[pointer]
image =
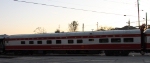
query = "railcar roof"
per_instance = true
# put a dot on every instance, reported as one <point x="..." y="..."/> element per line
<point x="147" y="31"/>
<point x="3" y="36"/>
<point x="137" y="31"/>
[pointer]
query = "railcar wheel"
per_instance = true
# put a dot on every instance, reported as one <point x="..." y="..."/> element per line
<point x="31" y="52"/>
<point x="15" y="52"/>
<point x="142" y="53"/>
<point x="44" y="52"/>
<point x="124" y="53"/>
<point x="93" y="52"/>
<point x="116" y="53"/>
<point x="108" y="53"/>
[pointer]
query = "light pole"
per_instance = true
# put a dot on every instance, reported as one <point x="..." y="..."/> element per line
<point x="92" y="30"/>
<point x="128" y="22"/>
<point x="146" y="20"/>
<point x="138" y="13"/>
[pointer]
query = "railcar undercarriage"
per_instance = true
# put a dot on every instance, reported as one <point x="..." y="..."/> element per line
<point x="47" y="52"/>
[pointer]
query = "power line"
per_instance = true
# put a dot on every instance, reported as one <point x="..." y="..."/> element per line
<point x="117" y="2"/>
<point x="88" y="5"/>
<point x="71" y="8"/>
<point x="140" y="21"/>
<point x="75" y="4"/>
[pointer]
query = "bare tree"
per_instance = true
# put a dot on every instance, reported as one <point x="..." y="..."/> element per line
<point x="39" y="30"/>
<point x="104" y="28"/>
<point x="73" y="26"/>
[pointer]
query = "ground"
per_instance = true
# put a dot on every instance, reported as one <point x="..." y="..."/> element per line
<point x="132" y="58"/>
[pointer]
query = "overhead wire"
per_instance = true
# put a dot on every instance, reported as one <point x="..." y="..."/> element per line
<point x="117" y="2"/>
<point x="72" y="8"/>
<point x="140" y="21"/>
<point x="84" y="5"/>
<point x="75" y="9"/>
<point x="88" y="5"/>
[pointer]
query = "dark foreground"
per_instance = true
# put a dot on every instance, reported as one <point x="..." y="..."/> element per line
<point x="132" y="58"/>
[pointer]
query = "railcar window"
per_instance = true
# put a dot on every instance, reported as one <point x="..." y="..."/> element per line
<point x="39" y="42"/>
<point x="79" y="41"/>
<point x="22" y="42"/>
<point x="58" y="41"/>
<point x="70" y="41"/>
<point x="115" y="40"/>
<point x="128" y="40"/>
<point x="31" y="42"/>
<point x="104" y="40"/>
<point x="49" y="41"/>
<point x="91" y="39"/>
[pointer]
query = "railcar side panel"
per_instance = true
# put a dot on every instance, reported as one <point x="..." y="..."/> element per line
<point x="13" y="44"/>
<point x="77" y="47"/>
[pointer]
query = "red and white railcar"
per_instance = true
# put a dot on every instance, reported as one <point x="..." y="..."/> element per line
<point x="89" y="41"/>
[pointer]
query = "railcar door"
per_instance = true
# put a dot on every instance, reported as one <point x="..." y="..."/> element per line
<point x="143" y="44"/>
<point x="1" y="45"/>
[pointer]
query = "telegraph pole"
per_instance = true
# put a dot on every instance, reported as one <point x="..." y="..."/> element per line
<point x="83" y="27"/>
<point x="146" y="20"/>
<point x="138" y="13"/>
<point x="97" y="25"/>
<point x="59" y="27"/>
<point x="128" y="24"/>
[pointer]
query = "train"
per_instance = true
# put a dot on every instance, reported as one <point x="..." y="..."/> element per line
<point x="111" y="43"/>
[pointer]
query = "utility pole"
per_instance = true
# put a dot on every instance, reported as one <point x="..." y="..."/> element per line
<point x="128" y="24"/>
<point x="97" y="25"/>
<point x="146" y="20"/>
<point x="138" y="13"/>
<point x="92" y="30"/>
<point x="83" y="27"/>
<point x="59" y="27"/>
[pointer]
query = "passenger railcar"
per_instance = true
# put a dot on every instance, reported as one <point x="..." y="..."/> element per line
<point x="113" y="42"/>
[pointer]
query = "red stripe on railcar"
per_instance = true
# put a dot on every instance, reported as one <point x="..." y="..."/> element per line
<point x="147" y="34"/>
<point x="77" y="47"/>
<point x="147" y="45"/>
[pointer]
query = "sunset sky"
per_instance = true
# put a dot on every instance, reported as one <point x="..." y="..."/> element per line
<point x="23" y="18"/>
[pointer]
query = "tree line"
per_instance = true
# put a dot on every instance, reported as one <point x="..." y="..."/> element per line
<point x="73" y="27"/>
